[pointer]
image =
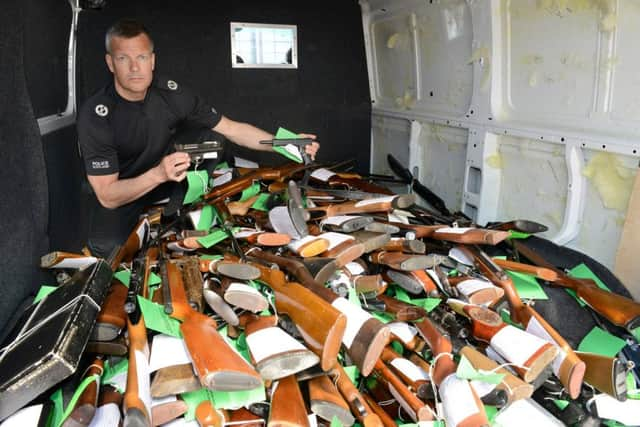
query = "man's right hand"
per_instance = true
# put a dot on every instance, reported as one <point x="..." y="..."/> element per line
<point x="173" y="167"/>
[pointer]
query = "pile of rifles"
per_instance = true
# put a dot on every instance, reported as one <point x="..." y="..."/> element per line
<point x="302" y="295"/>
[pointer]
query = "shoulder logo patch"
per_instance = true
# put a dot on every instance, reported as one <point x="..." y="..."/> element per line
<point x="172" y="85"/>
<point x="102" y="110"/>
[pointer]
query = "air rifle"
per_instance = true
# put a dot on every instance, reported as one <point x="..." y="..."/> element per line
<point x="200" y="152"/>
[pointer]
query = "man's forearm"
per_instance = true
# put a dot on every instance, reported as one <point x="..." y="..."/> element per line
<point x="123" y="191"/>
<point x="248" y="136"/>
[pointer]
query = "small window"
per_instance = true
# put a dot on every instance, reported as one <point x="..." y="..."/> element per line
<point x="264" y="45"/>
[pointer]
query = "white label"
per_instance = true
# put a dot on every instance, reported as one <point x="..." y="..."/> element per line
<point x="458" y="255"/>
<point x="322" y="174"/>
<point x="28" y="416"/>
<point x="144" y="387"/>
<point x="295" y="245"/>
<point x="75" y="262"/>
<point x="387" y="199"/>
<point x="403" y="403"/>
<point x="516" y="413"/>
<point x="168" y="351"/>
<point x="627" y="412"/>
<point x="482" y="388"/>
<point x="402" y="330"/>
<point x="535" y="328"/>
<point x="410" y="369"/>
<point x="106" y="416"/>
<point x="313" y="421"/>
<point x="293" y="150"/>
<point x="471" y="286"/>
<point x="212" y="155"/>
<point x="162" y="400"/>
<point x="516" y="345"/>
<point x="337" y="220"/>
<point x="222" y="179"/>
<point x="141" y="231"/>
<point x="241" y="288"/>
<point x="354" y="268"/>
<point x="243" y="233"/>
<point x="335" y="238"/>
<point x="356" y="317"/>
<point x="397" y="218"/>
<point x="457" y="399"/>
<point x="244" y="163"/>
<point x="268" y="342"/>
<point x="453" y="230"/>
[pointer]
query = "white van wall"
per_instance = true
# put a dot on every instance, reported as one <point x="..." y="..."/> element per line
<point x="512" y="109"/>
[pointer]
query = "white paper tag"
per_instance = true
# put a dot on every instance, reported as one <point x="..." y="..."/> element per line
<point x="337" y="220"/>
<point x="356" y="317"/>
<point x="144" y="386"/>
<point x="482" y="388"/>
<point x="268" y="342"/>
<point x="402" y="330"/>
<point x="322" y="174"/>
<point x="453" y="230"/>
<point x="387" y="199"/>
<point x="79" y="262"/>
<point x="535" y="328"/>
<point x="141" y="231"/>
<point x="516" y="345"/>
<point x="313" y="421"/>
<point x="295" y="245"/>
<point x="28" y="416"/>
<point x="354" y="268"/>
<point x="410" y="369"/>
<point x="403" y="403"/>
<point x="393" y="217"/>
<point x="335" y="238"/>
<point x="244" y="163"/>
<point x="293" y="150"/>
<point x="458" y="255"/>
<point x="243" y="233"/>
<point x="457" y="399"/>
<point x="106" y="416"/>
<point x="222" y="179"/>
<point x="627" y="412"/>
<point x="211" y="155"/>
<point x="161" y="400"/>
<point x="471" y="286"/>
<point x="168" y="351"/>
<point x="525" y="409"/>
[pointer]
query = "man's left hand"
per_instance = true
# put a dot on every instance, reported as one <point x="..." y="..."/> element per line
<point x="313" y="148"/>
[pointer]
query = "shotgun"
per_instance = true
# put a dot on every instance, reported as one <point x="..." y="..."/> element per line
<point x="287" y="405"/>
<point x="405" y="262"/>
<point x="415" y="376"/>
<point x="326" y="401"/>
<point x="85" y="407"/>
<point x="415" y="282"/>
<point x="224" y="370"/>
<point x="402" y="311"/>
<point x="567" y="366"/>
<point x="462" y="406"/>
<point x="381" y="204"/>
<point x="174" y="379"/>
<point x="356" y="401"/>
<point x="617" y="309"/>
<point x="607" y="374"/>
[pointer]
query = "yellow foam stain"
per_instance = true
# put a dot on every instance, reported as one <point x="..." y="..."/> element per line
<point x="611" y="179"/>
<point x="434" y="129"/>
<point x="532" y="59"/>
<point x="607" y="9"/>
<point x="406" y="101"/>
<point x="609" y="22"/>
<point x="533" y="79"/>
<point x="392" y="41"/>
<point x="620" y="219"/>
<point x="554" y="217"/>
<point x="495" y="161"/>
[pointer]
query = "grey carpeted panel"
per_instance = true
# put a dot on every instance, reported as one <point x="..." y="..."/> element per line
<point x="23" y="183"/>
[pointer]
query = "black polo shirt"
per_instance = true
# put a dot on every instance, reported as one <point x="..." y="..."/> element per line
<point x="117" y="135"/>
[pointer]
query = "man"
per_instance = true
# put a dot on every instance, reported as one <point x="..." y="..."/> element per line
<point x="124" y="132"/>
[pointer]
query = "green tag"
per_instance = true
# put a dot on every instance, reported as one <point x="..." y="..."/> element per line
<point x="561" y="404"/>
<point x="506" y="318"/>
<point x="261" y="203"/>
<point x="335" y="422"/>
<point x="156" y="319"/>
<point x="84" y="384"/>
<point x="401" y="295"/>
<point x="43" y="292"/>
<point x="468" y="372"/>
<point x="250" y="191"/>
<point x="397" y="347"/>
<point x="237" y="399"/>
<point x="599" y="341"/>
<point x="154" y="279"/>
<point x="123" y="276"/>
<point x="242" y="347"/>
<point x="212" y="239"/>
<point x="613" y="423"/>
<point x="206" y="218"/>
<point x="113" y="375"/>
<point x="527" y="286"/>
<point x="518" y="235"/>
<point x="285" y="134"/>
<point x="197" y="185"/>
<point x="353" y="297"/>
<point x="491" y="412"/>
<point x="581" y="271"/>
<point x="426" y="303"/>
<point x="211" y="257"/>
<point x="632" y="388"/>
<point x="382" y="316"/>
<point x="223" y="165"/>
<point x="352" y="373"/>
<point x="193" y="399"/>
<point x="58" y="408"/>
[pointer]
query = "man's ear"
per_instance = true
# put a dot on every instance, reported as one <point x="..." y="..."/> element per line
<point x="109" y="61"/>
<point x="153" y="61"/>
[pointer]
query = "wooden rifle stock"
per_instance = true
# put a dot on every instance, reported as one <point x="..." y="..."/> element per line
<point x="540" y="272"/>
<point x="287" y="405"/>
<point x="405" y="245"/>
<point x="568" y="367"/>
<point x="470" y="236"/>
<point x="402" y="311"/>
<point x="607" y="374"/>
<point x="326" y="402"/>
<point x="223" y="369"/>
<point x="165" y="412"/>
<point x="405" y="262"/>
<point x="112" y="318"/>
<point x="412" y="374"/>
<point x="383" y="204"/>
<point x="85" y="407"/>
<point x="208" y="415"/>
<point x="174" y="379"/>
<point x="619" y="310"/>
<point x="356" y="401"/>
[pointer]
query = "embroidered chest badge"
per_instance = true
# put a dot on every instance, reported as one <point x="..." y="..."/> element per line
<point x="172" y="85"/>
<point x="102" y="110"/>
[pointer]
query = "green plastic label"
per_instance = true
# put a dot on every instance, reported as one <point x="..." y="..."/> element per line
<point x="156" y="319"/>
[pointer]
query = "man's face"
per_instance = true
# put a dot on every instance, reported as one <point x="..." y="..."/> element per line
<point x="131" y="61"/>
